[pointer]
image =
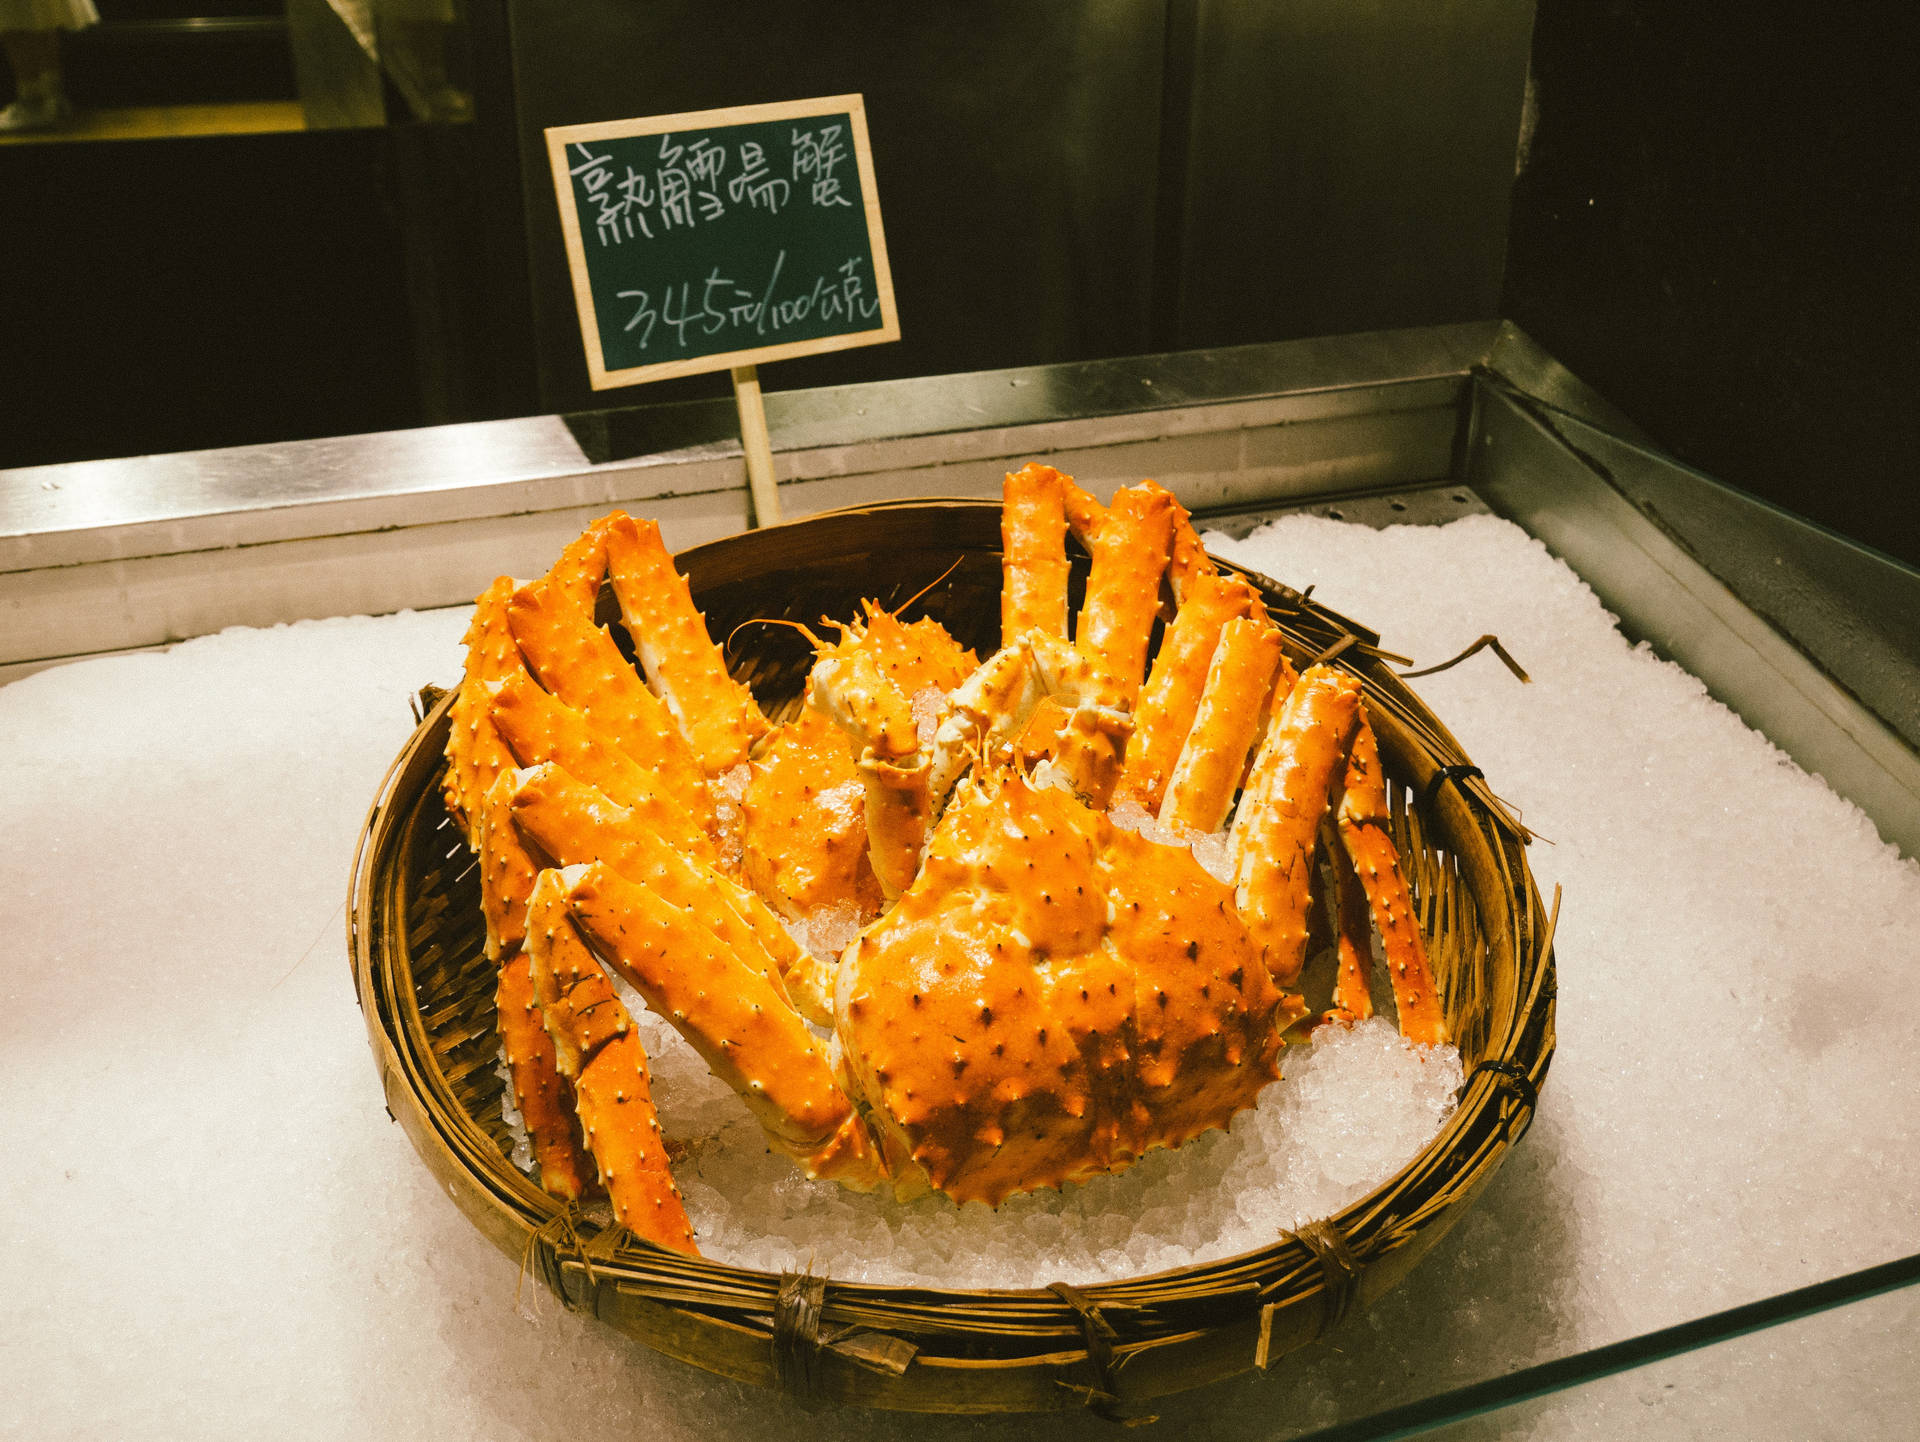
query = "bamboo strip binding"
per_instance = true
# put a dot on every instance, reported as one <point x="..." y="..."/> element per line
<point x="426" y="993"/>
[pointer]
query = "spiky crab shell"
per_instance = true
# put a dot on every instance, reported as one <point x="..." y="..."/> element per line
<point x="1053" y="997"/>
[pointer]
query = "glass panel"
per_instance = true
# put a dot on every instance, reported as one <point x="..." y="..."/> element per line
<point x="1847" y="1373"/>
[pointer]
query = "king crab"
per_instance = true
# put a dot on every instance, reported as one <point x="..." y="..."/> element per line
<point x="1039" y="992"/>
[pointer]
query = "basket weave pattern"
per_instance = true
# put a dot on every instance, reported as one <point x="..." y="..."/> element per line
<point x="426" y="989"/>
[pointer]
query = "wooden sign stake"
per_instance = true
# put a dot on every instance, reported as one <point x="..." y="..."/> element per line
<point x="758" y="447"/>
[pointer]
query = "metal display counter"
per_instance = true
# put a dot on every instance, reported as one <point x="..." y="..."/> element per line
<point x="1808" y="637"/>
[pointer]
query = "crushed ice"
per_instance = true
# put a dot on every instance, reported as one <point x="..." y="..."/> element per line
<point x="1353" y="1109"/>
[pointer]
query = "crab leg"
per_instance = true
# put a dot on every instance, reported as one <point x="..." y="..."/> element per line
<point x="1353" y="971"/>
<point x="544" y="1097"/>
<point x="716" y="713"/>
<point x="1123" y="588"/>
<point x="596" y="1048"/>
<point x="746" y="1033"/>
<point x="1085" y="514"/>
<point x="1362" y="816"/>
<point x="578" y="662"/>
<point x="1200" y="792"/>
<point x="1171" y="697"/>
<point x="538" y="727"/>
<point x="545" y="1101"/>
<point x="506" y="872"/>
<point x="1272" y="839"/>
<point x="580" y="568"/>
<point x="475" y="753"/>
<point x="1033" y="527"/>
<point x="1188" y="563"/>
<point x="572" y="823"/>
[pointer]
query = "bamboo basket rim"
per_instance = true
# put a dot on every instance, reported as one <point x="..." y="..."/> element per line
<point x="1091" y="1339"/>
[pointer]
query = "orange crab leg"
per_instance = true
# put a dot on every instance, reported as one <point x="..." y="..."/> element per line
<point x="988" y="709"/>
<point x="582" y="566"/>
<point x="1085" y="514"/>
<point x="475" y="753"/>
<point x="746" y="1033"/>
<point x="578" y="662"/>
<point x="1273" y="833"/>
<point x="506" y="872"/>
<point x="1033" y="533"/>
<point x="1362" y="816"/>
<point x="1171" y="697"/>
<point x="849" y="687"/>
<point x="1123" y="588"/>
<point x="595" y="1045"/>
<point x="1188" y="564"/>
<point x="545" y="1098"/>
<point x="716" y="713"/>
<point x="538" y="727"/>
<point x="571" y="823"/>
<point x="1201" y="790"/>
<point x="995" y="704"/>
<point x="1352" y="979"/>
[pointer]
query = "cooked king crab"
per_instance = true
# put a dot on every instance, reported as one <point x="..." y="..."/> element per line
<point x="1050" y="994"/>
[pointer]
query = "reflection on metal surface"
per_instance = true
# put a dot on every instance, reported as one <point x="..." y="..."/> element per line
<point x="114" y="554"/>
<point x="423" y="48"/>
<point x="345" y="51"/>
<point x="1294" y="410"/>
<point x="1518" y="359"/>
<point x="336" y="63"/>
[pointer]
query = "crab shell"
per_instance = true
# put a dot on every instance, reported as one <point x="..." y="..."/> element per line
<point x="1051" y="998"/>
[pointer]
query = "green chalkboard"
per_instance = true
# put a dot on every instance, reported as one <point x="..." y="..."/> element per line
<point x="722" y="238"/>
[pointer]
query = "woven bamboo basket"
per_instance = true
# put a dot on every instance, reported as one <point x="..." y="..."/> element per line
<point x="426" y="990"/>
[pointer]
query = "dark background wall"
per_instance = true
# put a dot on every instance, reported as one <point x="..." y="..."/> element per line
<point x="1087" y="178"/>
<point x="1717" y="227"/>
<point x="1714" y="225"/>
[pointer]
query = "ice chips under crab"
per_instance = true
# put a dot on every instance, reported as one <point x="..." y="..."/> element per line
<point x="1038" y="992"/>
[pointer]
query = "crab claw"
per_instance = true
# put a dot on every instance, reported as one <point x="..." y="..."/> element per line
<point x="571" y="824"/>
<point x="733" y="1016"/>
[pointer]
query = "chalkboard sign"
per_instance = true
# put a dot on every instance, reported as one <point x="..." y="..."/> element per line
<point x="722" y="238"/>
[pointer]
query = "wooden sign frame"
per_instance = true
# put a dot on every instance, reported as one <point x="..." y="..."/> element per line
<point x="561" y="136"/>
